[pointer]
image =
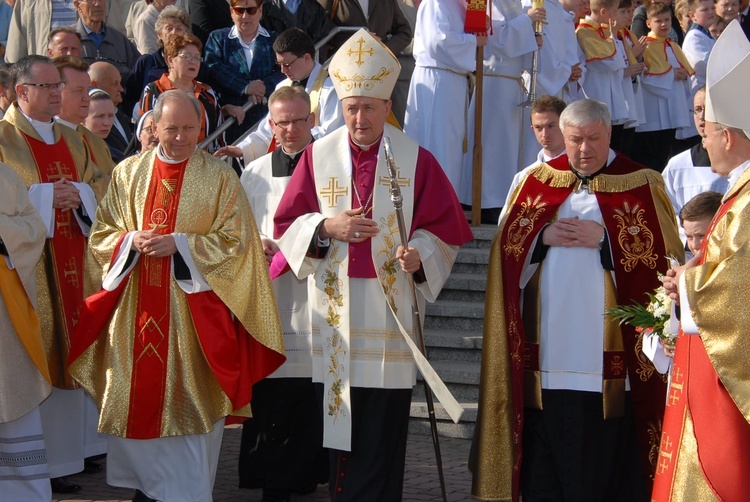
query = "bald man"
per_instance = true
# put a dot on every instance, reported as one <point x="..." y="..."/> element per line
<point x="107" y="77"/>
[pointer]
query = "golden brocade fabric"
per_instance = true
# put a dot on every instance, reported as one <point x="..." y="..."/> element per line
<point x="15" y="152"/>
<point x="225" y="245"/>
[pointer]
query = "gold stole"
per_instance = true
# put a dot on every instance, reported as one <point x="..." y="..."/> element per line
<point x="656" y="58"/>
<point x="330" y="313"/>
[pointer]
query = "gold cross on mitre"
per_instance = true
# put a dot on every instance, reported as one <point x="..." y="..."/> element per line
<point x="360" y="51"/>
<point x="402" y="182"/>
<point x="333" y="192"/>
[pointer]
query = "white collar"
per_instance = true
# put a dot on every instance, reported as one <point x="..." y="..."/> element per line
<point x="735" y="174"/>
<point x="162" y="156"/>
<point x="44" y="129"/>
<point x="294" y="154"/>
<point x="66" y="123"/>
<point x="234" y="33"/>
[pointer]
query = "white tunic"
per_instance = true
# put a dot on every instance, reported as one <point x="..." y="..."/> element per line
<point x="26" y="480"/>
<point x="665" y="100"/>
<point x="603" y="82"/>
<point x="264" y="192"/>
<point x="697" y="47"/>
<point x="329" y="118"/>
<point x="683" y="181"/>
<point x="437" y="109"/>
<point x="513" y="39"/>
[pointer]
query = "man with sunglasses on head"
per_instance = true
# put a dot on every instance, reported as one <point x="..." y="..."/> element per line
<point x="64" y="186"/>
<point x="295" y="53"/>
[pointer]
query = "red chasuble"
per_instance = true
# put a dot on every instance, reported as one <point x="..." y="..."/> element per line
<point x="638" y="249"/>
<point x="721" y="432"/>
<point x="66" y="248"/>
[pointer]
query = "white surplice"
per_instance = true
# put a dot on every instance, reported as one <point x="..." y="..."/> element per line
<point x="437" y="109"/>
<point x="665" y="100"/>
<point x="264" y="192"/>
<point x="504" y="61"/>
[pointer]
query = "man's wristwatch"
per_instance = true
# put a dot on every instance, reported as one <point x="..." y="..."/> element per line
<point x="604" y="237"/>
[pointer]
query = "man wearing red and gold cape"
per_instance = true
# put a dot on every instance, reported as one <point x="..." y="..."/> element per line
<point x="567" y="396"/>
<point x="705" y="446"/>
<point x="64" y="185"/>
<point x="186" y="321"/>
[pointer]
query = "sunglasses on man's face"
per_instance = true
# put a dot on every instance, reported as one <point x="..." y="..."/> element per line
<point x="245" y="10"/>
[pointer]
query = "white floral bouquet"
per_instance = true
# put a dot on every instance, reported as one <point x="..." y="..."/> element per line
<point x="653" y="317"/>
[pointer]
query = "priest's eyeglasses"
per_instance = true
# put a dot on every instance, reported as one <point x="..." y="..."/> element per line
<point x="57" y="86"/>
<point x="698" y="111"/>
<point x="286" y="124"/>
<point x="288" y="65"/>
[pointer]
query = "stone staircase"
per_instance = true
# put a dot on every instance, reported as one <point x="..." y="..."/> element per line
<point x="453" y="335"/>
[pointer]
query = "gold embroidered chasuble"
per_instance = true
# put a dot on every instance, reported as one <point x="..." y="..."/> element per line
<point x="15" y="151"/>
<point x="713" y="289"/>
<point x="356" y="341"/>
<point x="24" y="376"/>
<point x="511" y="353"/>
<point x="215" y="216"/>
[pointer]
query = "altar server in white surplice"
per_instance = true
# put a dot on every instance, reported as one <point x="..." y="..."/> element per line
<point x="282" y="444"/>
<point x="511" y="39"/>
<point x="337" y="227"/>
<point x="437" y="109"/>
<point x="24" y="375"/>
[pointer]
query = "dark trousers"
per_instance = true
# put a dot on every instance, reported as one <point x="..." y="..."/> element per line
<point x="654" y="148"/>
<point x="622" y="140"/>
<point x="282" y="445"/>
<point x="374" y="470"/>
<point x="571" y="454"/>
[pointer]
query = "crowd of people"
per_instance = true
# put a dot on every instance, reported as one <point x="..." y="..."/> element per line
<point x="150" y="295"/>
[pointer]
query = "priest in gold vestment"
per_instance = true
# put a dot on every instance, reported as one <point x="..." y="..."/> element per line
<point x="185" y="322"/>
<point x="704" y="452"/>
<point x="64" y="185"/>
<point x="24" y="376"/>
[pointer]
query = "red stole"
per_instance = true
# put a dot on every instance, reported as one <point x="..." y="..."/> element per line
<point x="65" y="251"/>
<point x="721" y="432"/>
<point x="635" y="256"/>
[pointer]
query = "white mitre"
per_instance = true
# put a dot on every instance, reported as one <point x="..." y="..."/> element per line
<point x="727" y="78"/>
<point x="364" y="66"/>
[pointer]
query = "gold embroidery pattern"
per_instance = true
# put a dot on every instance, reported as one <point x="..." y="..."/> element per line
<point x="523" y="225"/>
<point x="654" y="434"/>
<point x="333" y="191"/>
<point x="334" y="300"/>
<point x="645" y="367"/>
<point x="636" y="240"/>
<point x="515" y="344"/>
<point x="358" y="81"/>
<point x="617" y="365"/>
<point x="389" y="268"/>
<point x="360" y="52"/>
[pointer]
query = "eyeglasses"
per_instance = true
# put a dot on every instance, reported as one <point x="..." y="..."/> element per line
<point x="286" y="124"/>
<point x="149" y="130"/>
<point x="93" y="2"/>
<point x="698" y="111"/>
<point x="57" y="86"/>
<point x="246" y="10"/>
<point x="287" y="65"/>
<point x="189" y="57"/>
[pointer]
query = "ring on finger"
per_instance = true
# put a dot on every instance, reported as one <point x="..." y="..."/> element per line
<point x="357" y="235"/>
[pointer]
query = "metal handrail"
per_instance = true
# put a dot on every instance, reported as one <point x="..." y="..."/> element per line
<point x="229" y="122"/>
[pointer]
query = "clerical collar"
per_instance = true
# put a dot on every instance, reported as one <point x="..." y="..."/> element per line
<point x="66" y="123"/>
<point x="365" y="147"/>
<point x="44" y="129"/>
<point x="584" y="180"/>
<point x="735" y="174"/>
<point x="163" y="157"/>
<point x="301" y="83"/>
<point x="293" y="155"/>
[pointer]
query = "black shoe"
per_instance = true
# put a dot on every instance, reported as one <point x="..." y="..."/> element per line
<point x="59" y="485"/>
<point x="142" y="497"/>
<point x="91" y="467"/>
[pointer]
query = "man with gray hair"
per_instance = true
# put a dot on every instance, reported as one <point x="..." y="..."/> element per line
<point x="64" y="41"/>
<point x="185" y="322"/>
<point x="581" y="404"/>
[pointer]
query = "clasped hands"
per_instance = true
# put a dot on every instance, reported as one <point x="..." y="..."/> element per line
<point x="65" y="195"/>
<point x="349" y="226"/>
<point x="671" y="280"/>
<point x="573" y="232"/>
<point x="152" y="244"/>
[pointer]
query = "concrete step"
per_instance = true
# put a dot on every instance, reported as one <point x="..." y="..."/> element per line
<point x="453" y="323"/>
<point x="457" y="372"/>
<point x="446" y="345"/>
<point x="455" y="316"/>
<point x="462" y="295"/>
<point x="466" y="281"/>
<point x="462" y="393"/>
<point x="473" y="255"/>
<point x="482" y="237"/>
<point x="420" y="423"/>
<point x="470" y="268"/>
